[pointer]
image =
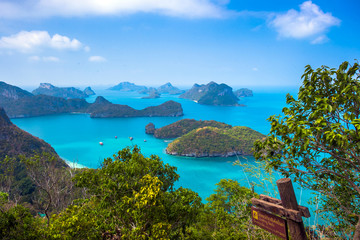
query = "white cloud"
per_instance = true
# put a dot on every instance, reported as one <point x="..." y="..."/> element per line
<point x="51" y="59"/>
<point x="309" y="22"/>
<point x="179" y="8"/>
<point x="319" y="40"/>
<point x="44" y="59"/>
<point x="25" y="41"/>
<point x="34" y="58"/>
<point x="97" y="59"/>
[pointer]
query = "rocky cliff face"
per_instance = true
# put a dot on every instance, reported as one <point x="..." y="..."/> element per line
<point x="212" y="94"/>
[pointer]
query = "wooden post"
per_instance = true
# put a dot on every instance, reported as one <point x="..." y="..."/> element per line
<point x="288" y="199"/>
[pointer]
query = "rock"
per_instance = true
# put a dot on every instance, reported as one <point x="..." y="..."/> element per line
<point x="88" y="91"/>
<point x="150" y="128"/>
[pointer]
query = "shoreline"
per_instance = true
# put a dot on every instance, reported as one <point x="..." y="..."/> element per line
<point x="74" y="164"/>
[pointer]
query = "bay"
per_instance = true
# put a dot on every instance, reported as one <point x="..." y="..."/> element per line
<point x="76" y="137"/>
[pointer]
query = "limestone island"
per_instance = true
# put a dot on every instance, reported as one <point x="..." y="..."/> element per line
<point x="212" y="94"/>
<point x="19" y="103"/>
<point x="151" y="91"/>
<point x="206" y="138"/>
<point x="63" y="92"/>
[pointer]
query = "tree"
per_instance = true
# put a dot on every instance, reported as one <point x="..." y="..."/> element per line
<point x="16" y="221"/>
<point x="131" y="197"/>
<point x="53" y="182"/>
<point x="317" y="140"/>
<point x="227" y="215"/>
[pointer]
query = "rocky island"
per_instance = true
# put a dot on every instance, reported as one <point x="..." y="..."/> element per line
<point x="243" y="92"/>
<point x="19" y="103"/>
<point x="170" y="89"/>
<point x="212" y="94"/>
<point x="64" y="92"/>
<point x="153" y="92"/>
<point x="206" y="138"/>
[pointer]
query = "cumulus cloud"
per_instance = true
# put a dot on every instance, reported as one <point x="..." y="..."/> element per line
<point x="48" y="8"/>
<point x="309" y="22"/>
<point x="25" y="41"/>
<point x="97" y="59"/>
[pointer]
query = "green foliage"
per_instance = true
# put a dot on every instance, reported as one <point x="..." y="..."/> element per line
<point x="227" y="214"/>
<point x="184" y="126"/>
<point x="16" y="221"/>
<point x="132" y="197"/>
<point x="210" y="141"/>
<point x="317" y="139"/>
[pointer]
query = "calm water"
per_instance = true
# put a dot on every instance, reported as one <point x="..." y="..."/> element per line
<point x="76" y="137"/>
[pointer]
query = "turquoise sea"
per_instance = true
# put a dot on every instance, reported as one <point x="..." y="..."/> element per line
<point x="76" y="137"/>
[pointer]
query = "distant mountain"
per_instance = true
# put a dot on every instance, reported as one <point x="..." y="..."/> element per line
<point x="64" y="92"/>
<point x="15" y="142"/>
<point x="20" y="103"/>
<point x="184" y="126"/>
<point x="170" y="89"/>
<point x="88" y="91"/>
<point x="243" y="92"/>
<point x="212" y="94"/>
<point x="215" y="142"/>
<point x="128" y="87"/>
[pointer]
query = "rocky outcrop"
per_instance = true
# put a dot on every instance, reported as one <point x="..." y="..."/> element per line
<point x="88" y="91"/>
<point x="150" y="128"/>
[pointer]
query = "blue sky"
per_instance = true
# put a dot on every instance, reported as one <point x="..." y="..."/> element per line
<point x="151" y="42"/>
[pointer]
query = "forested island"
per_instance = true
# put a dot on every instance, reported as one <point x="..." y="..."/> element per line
<point x="206" y="138"/>
<point x="19" y="103"/>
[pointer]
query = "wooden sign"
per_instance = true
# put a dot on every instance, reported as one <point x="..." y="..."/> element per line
<point x="271" y="223"/>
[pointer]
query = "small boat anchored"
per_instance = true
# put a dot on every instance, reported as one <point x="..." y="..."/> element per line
<point x="101" y="143"/>
<point x="131" y="138"/>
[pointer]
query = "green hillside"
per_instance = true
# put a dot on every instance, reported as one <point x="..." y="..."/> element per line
<point x="215" y="142"/>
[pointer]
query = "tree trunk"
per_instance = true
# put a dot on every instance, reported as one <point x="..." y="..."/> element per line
<point x="357" y="231"/>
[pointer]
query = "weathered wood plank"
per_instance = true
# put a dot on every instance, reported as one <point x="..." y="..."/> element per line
<point x="277" y="209"/>
<point x="288" y="199"/>
<point x="304" y="211"/>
